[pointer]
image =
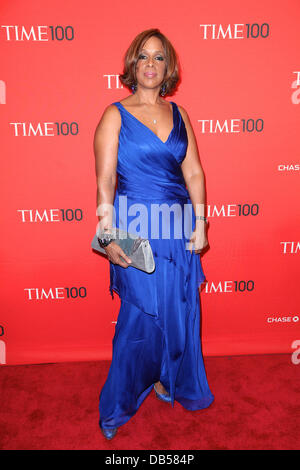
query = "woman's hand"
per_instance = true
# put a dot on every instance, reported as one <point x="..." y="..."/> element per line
<point x="198" y="238"/>
<point x="115" y="252"/>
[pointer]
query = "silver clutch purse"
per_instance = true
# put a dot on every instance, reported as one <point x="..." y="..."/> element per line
<point x="138" y="249"/>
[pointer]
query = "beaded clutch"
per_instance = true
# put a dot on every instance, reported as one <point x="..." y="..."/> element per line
<point x="138" y="249"/>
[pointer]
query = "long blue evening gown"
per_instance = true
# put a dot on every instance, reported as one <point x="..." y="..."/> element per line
<point x="157" y="334"/>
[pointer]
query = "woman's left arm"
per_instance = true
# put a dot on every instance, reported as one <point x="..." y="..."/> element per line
<point x="195" y="182"/>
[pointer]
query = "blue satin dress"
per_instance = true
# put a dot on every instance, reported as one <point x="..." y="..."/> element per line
<point x="157" y="334"/>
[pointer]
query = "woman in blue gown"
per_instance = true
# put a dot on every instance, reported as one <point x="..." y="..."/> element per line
<point x="157" y="334"/>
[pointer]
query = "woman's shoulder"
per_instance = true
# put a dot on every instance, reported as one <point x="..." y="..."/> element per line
<point x="110" y="119"/>
<point x="111" y="111"/>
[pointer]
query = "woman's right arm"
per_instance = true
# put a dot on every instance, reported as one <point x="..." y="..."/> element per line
<point x="106" y="142"/>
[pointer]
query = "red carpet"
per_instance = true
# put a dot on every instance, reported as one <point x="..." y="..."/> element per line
<point x="55" y="406"/>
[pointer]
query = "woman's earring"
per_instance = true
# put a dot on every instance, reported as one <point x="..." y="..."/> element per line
<point x="134" y="87"/>
<point x="163" y="90"/>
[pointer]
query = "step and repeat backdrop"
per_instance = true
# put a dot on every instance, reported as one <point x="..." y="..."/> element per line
<point x="240" y="84"/>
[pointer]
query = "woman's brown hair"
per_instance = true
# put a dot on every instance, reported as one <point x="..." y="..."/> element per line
<point x="128" y="77"/>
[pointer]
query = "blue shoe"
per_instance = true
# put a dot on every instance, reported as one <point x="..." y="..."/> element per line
<point x="162" y="396"/>
<point x="109" y="433"/>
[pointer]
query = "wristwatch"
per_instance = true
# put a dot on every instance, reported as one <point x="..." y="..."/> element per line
<point x="106" y="240"/>
<point x="201" y="217"/>
<point x="103" y="242"/>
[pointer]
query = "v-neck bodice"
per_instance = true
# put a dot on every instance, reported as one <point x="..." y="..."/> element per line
<point x="147" y="167"/>
<point x="144" y="125"/>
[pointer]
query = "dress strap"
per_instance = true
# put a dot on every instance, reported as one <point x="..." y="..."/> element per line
<point x="117" y="104"/>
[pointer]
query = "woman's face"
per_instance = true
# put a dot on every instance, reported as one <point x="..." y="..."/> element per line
<point x="151" y="64"/>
